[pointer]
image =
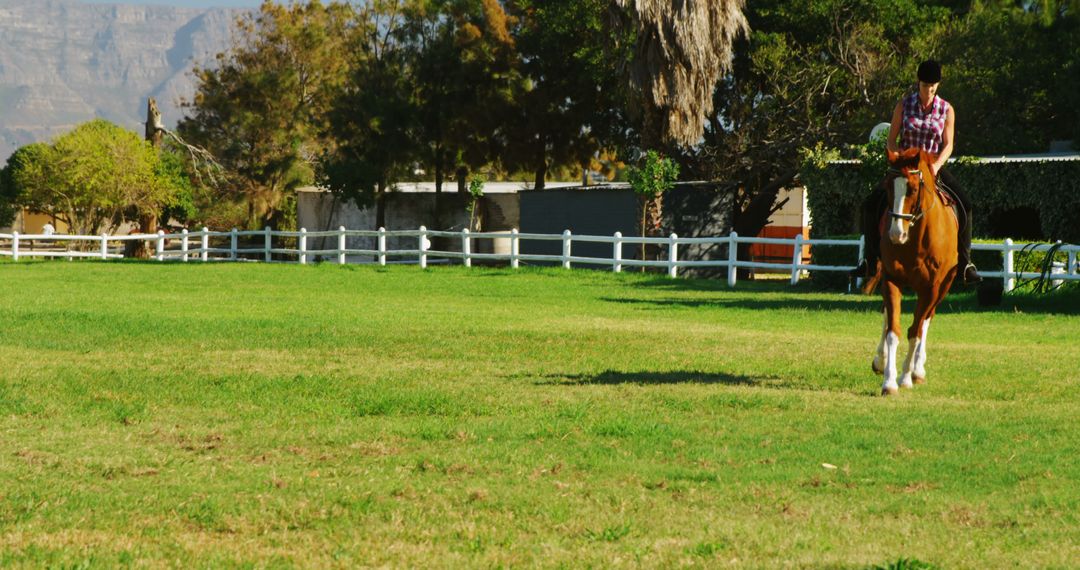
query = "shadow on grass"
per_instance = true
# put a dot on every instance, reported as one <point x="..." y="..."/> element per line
<point x="684" y="377"/>
<point x="854" y="304"/>
<point x="1065" y="300"/>
<point x="610" y="377"/>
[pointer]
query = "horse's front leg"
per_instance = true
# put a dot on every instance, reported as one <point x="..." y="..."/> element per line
<point x="891" y="292"/>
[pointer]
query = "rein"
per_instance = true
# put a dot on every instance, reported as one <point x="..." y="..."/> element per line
<point x="917" y="211"/>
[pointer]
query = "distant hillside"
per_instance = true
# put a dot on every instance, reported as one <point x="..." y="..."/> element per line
<point x="62" y="63"/>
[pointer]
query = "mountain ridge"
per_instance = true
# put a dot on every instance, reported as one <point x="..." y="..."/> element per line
<point x="63" y="63"/>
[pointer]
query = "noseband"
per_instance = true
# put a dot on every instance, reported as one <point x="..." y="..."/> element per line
<point x="917" y="211"/>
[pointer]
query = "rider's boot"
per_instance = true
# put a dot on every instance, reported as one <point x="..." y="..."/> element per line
<point x="871" y="212"/>
<point x="970" y="273"/>
<point x="868" y="264"/>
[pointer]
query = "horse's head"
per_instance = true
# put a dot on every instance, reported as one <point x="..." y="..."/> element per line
<point x="909" y="176"/>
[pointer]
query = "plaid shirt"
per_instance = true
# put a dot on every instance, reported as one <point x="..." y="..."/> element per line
<point x="923" y="129"/>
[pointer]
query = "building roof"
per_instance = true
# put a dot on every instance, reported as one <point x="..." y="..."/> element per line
<point x="1039" y="157"/>
<point x="451" y="187"/>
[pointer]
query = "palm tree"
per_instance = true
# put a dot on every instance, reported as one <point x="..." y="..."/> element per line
<point x="682" y="49"/>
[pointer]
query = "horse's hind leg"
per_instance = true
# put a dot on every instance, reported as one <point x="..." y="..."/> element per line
<point x="878" y="363"/>
<point x="918" y="369"/>
<point x="918" y="373"/>
<point x="915" y="363"/>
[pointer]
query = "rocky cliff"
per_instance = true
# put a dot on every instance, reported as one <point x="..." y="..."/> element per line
<point x="63" y="63"/>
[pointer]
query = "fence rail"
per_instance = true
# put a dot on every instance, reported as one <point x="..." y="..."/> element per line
<point x="196" y="246"/>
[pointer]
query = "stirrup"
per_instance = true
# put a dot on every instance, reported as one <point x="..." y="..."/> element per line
<point x="971" y="275"/>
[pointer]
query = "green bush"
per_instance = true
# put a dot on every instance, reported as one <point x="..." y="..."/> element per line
<point x="836" y="189"/>
<point x="833" y="255"/>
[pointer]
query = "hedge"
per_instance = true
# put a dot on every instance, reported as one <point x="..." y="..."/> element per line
<point x="835" y="191"/>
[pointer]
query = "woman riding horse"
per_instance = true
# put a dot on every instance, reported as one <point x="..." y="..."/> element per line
<point x="919" y="253"/>
<point x="924" y="120"/>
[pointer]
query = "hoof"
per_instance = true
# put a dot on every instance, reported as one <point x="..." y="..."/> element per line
<point x="874" y="367"/>
<point x="906" y="385"/>
<point x="890" y="391"/>
<point x="919" y="379"/>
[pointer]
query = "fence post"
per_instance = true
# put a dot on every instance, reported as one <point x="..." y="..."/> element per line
<point x="514" y="251"/>
<point x="161" y="245"/>
<point x="205" y="243"/>
<point x="184" y="243"/>
<point x="14" y="246"/>
<point x="616" y="255"/>
<point x="796" y="259"/>
<point x="341" y="245"/>
<point x="104" y="246"/>
<point x="733" y="257"/>
<point x="303" y="246"/>
<point x="382" y="246"/>
<point x="1008" y="281"/>
<point x="232" y="244"/>
<point x="673" y="255"/>
<point x="466" y="248"/>
<point x="268" y="244"/>
<point x="422" y="240"/>
<point x="566" y="249"/>
<point x="1071" y="269"/>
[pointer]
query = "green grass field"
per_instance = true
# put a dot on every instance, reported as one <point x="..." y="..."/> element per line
<point x="249" y="415"/>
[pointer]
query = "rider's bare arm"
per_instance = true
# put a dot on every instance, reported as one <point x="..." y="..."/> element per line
<point x="894" y="127"/>
<point x="946" y="141"/>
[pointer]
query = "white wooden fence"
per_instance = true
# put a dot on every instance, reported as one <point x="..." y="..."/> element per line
<point x="196" y="246"/>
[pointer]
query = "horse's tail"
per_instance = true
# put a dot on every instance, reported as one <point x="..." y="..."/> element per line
<point x="870" y="285"/>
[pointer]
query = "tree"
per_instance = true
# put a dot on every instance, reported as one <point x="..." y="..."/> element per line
<point x="262" y="107"/>
<point x="1008" y="99"/>
<point x="372" y="118"/>
<point x="92" y="178"/>
<point x="812" y="71"/>
<point x="29" y="172"/>
<point x="681" y="50"/>
<point x="460" y="63"/>
<point x="567" y="107"/>
<point x="655" y="175"/>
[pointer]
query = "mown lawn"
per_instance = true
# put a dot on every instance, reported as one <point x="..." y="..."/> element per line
<point x="249" y="415"/>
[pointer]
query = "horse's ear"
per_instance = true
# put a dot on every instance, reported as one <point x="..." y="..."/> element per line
<point x="913" y="152"/>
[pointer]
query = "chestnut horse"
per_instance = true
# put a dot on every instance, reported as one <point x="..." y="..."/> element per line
<point x="919" y="252"/>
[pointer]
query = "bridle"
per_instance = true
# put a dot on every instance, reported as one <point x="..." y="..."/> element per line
<point x="917" y="212"/>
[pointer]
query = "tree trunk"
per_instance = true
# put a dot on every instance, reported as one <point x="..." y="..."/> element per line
<point x="439" y="157"/>
<point x="462" y="174"/>
<point x="541" y="162"/>
<point x="148" y="221"/>
<point x="752" y="219"/>
<point x="380" y="205"/>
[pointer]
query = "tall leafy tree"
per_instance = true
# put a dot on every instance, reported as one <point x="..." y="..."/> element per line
<point x="262" y="106"/>
<point x="372" y="118"/>
<point x="811" y="71"/>
<point x="680" y="52"/>
<point x="1013" y="74"/>
<point x="93" y="178"/>
<point x="568" y="105"/>
<point x="461" y="61"/>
